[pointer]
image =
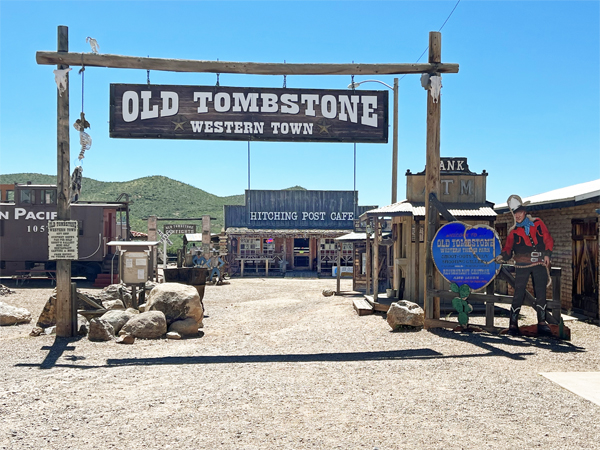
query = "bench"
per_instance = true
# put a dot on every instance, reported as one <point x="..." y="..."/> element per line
<point x="27" y="274"/>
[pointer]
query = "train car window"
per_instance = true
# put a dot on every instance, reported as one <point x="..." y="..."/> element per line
<point x="10" y="196"/>
<point x="26" y="196"/>
<point x="48" y="197"/>
<point x="80" y="227"/>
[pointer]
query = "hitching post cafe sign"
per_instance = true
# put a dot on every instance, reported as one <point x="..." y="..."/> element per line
<point x="258" y="114"/>
<point x="331" y="210"/>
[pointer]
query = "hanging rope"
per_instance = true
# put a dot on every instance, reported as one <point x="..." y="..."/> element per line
<point x="81" y="124"/>
<point x="148" y="75"/>
<point x="284" y="79"/>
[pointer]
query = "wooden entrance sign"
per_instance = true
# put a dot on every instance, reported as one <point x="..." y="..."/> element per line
<point x="64" y="59"/>
<point x="144" y="111"/>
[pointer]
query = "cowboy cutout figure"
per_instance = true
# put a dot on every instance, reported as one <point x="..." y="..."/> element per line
<point x="530" y="245"/>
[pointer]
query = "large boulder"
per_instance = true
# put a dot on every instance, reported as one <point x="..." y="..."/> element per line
<point x="185" y="327"/>
<point x="146" y="325"/>
<point x="176" y="301"/>
<point x="405" y="313"/>
<point x="48" y="316"/>
<point x="100" y="330"/>
<point x="118" y="318"/>
<point x="11" y="315"/>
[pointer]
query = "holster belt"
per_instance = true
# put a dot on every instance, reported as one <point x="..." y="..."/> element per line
<point x="528" y="258"/>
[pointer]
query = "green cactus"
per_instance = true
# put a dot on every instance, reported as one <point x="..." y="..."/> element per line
<point x="460" y="303"/>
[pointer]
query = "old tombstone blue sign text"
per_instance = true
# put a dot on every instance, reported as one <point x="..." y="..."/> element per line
<point x="464" y="254"/>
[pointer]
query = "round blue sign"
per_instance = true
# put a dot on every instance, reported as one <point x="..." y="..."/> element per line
<point x="464" y="254"/>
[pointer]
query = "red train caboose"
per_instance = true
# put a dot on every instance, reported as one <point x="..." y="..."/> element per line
<point x="24" y="216"/>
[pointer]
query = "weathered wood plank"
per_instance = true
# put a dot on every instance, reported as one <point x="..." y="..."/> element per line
<point x="89" y="301"/>
<point x="362" y="307"/>
<point x="199" y="66"/>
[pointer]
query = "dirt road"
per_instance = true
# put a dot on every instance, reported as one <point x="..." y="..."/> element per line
<point x="282" y="367"/>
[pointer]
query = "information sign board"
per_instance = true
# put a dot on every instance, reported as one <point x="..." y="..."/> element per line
<point x="464" y="254"/>
<point x="63" y="240"/>
<point x="180" y="228"/>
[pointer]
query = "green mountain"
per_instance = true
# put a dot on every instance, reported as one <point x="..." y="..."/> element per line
<point x="156" y="195"/>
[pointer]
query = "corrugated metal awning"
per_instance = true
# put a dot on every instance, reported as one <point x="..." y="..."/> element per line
<point x="406" y="208"/>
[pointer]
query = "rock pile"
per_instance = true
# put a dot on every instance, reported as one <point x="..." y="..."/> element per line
<point x="5" y="291"/>
<point x="11" y="315"/>
<point x="172" y="310"/>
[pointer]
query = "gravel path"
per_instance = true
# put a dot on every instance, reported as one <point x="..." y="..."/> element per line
<point x="282" y="367"/>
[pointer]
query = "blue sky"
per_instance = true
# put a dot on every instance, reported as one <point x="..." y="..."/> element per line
<point x="524" y="105"/>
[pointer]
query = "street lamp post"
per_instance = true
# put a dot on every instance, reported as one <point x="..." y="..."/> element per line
<point x="395" y="132"/>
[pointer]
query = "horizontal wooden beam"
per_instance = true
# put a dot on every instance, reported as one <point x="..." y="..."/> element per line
<point x="186" y="65"/>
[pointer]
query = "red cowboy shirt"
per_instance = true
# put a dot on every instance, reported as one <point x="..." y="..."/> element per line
<point x="539" y="240"/>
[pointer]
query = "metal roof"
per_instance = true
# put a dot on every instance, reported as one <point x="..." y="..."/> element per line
<point x="406" y="208"/>
<point x="570" y="194"/>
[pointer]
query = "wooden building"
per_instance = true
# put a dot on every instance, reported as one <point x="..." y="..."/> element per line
<point x="276" y="231"/>
<point x="463" y="193"/>
<point x="571" y="215"/>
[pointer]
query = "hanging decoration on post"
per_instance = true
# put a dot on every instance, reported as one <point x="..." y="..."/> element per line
<point x="436" y="87"/>
<point x="81" y="124"/>
<point x="433" y="84"/>
<point x="93" y="44"/>
<point x="76" y="179"/>
<point x="60" y="77"/>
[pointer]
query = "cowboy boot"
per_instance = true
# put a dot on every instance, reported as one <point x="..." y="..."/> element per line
<point x="542" y="327"/>
<point x="513" y="324"/>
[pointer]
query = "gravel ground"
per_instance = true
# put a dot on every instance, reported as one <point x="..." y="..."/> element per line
<point x="282" y="367"/>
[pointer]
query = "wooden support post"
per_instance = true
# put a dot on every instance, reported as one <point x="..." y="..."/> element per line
<point x="376" y="225"/>
<point x="489" y="306"/>
<point x="368" y="265"/>
<point x="206" y="236"/>
<point x="64" y="313"/>
<point x="141" y="299"/>
<point x="242" y="267"/>
<point x="556" y="312"/>
<point x="266" y="267"/>
<point x="195" y="66"/>
<point x="417" y="250"/>
<point x="432" y="179"/>
<point x="339" y="266"/>
<point x="395" y="146"/>
<point x="397" y="273"/>
<point x="133" y="297"/>
<point x="152" y="234"/>
<point x="73" y="309"/>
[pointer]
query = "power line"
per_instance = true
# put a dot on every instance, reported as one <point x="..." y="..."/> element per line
<point x="445" y="21"/>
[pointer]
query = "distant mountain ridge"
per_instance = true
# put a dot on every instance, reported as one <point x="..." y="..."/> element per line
<point x="155" y="195"/>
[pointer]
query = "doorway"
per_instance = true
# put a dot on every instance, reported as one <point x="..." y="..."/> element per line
<point x="301" y="254"/>
<point x="585" y="272"/>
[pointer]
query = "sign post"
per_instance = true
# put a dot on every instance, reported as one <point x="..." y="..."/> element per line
<point x="65" y="322"/>
<point x="62" y="240"/>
